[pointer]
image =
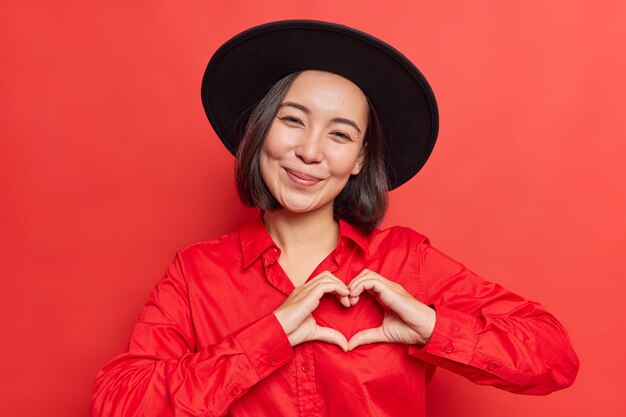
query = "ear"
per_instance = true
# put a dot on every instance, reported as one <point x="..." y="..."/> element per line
<point x="359" y="162"/>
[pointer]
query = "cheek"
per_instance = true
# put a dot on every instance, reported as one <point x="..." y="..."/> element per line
<point x="269" y="158"/>
<point x="342" y="163"/>
<point x="276" y="143"/>
<point x="265" y="163"/>
<point x="270" y="150"/>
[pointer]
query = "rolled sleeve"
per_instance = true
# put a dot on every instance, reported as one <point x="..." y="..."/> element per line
<point x="453" y="337"/>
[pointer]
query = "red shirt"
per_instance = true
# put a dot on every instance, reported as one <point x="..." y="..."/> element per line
<point x="208" y="344"/>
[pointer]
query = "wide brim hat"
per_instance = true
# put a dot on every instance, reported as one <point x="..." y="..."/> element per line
<point x="243" y="70"/>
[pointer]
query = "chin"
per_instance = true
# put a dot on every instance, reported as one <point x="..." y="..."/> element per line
<point x="301" y="207"/>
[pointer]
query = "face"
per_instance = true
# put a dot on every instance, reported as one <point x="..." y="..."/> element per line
<point x="315" y="142"/>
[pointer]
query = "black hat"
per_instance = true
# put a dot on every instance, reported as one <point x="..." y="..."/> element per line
<point x="242" y="71"/>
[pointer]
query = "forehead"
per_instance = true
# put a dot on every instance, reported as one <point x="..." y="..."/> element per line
<point x="329" y="91"/>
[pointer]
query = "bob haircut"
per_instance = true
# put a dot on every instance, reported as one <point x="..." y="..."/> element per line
<point x="362" y="202"/>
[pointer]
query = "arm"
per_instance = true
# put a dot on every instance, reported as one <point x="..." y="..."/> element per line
<point x="488" y="334"/>
<point x="163" y="372"/>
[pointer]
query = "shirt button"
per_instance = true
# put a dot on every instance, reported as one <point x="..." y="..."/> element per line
<point x="491" y="366"/>
<point x="234" y="391"/>
<point x="305" y="367"/>
<point x="448" y="348"/>
<point x="272" y="361"/>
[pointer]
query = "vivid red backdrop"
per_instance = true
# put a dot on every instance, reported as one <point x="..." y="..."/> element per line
<point x="108" y="165"/>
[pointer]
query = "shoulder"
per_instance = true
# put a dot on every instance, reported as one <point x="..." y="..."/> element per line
<point x="223" y="250"/>
<point x="416" y="245"/>
<point x="396" y="245"/>
<point x="207" y="247"/>
<point x="396" y="236"/>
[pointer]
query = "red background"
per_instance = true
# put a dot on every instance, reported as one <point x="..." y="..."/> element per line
<point x="108" y="166"/>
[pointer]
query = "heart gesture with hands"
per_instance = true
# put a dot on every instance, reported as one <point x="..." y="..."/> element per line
<point x="294" y="314"/>
<point x="406" y="320"/>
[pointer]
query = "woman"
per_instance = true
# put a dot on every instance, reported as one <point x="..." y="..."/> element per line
<point x="310" y="309"/>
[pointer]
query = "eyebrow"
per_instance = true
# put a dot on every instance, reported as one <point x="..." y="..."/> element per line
<point x="306" y="110"/>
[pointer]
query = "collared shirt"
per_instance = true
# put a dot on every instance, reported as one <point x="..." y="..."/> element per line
<point x="208" y="344"/>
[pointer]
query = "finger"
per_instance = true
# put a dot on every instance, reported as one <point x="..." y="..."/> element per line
<point x="322" y="288"/>
<point x="326" y="276"/>
<point x="345" y="301"/>
<point x="342" y="294"/>
<point x="353" y="299"/>
<point x="368" y="274"/>
<point x="328" y="335"/>
<point x="298" y="306"/>
<point x="356" y="288"/>
<point x="366" y="337"/>
<point x="356" y="279"/>
<point x="330" y="288"/>
<point x="368" y="283"/>
<point x="364" y="275"/>
<point x="388" y="294"/>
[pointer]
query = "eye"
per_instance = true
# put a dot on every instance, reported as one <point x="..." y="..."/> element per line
<point x="341" y="135"/>
<point x="291" y="120"/>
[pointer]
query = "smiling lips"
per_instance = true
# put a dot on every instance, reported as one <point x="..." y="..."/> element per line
<point x="302" y="179"/>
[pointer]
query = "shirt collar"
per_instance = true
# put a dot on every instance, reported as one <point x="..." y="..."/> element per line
<point x="255" y="239"/>
<point x="346" y="230"/>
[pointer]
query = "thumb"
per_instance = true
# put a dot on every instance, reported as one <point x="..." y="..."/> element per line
<point x="367" y="336"/>
<point x="328" y="335"/>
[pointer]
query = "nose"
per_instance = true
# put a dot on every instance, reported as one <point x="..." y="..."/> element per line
<point x="309" y="150"/>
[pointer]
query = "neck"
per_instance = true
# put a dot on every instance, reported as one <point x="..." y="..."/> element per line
<point x="295" y="232"/>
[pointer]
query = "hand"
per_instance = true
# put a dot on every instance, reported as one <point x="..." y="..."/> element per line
<point x="406" y="320"/>
<point x="294" y="314"/>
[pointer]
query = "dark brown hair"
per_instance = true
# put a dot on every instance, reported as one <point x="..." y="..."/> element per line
<point x="362" y="202"/>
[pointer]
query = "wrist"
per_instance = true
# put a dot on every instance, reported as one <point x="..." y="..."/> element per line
<point x="430" y="324"/>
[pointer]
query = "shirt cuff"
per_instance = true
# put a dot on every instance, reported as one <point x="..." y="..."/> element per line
<point x="453" y="338"/>
<point x="266" y="345"/>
